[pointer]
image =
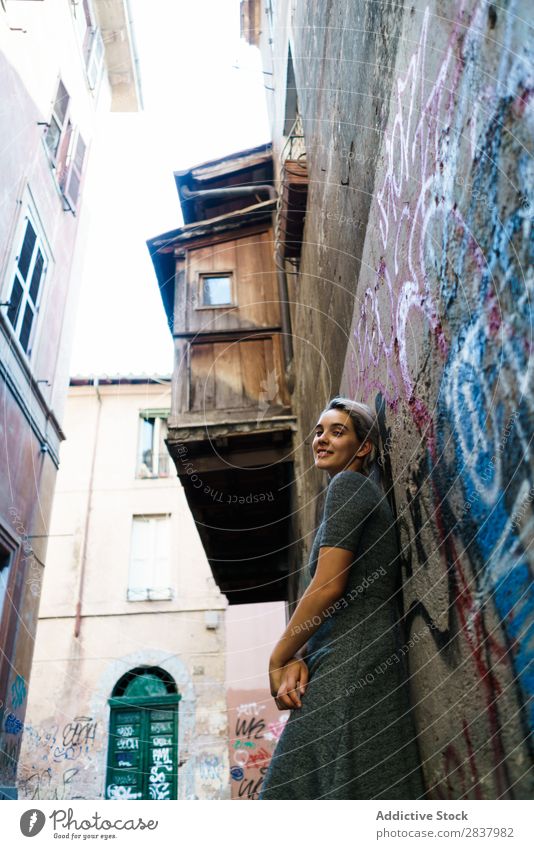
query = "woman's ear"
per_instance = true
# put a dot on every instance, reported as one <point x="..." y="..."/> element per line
<point x="365" y="448"/>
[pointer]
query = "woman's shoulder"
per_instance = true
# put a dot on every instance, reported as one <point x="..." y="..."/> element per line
<point x="348" y="479"/>
<point x="344" y="485"/>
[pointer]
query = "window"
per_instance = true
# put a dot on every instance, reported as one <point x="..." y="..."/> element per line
<point x="58" y="124"/>
<point x="143" y="737"/>
<point x="30" y="270"/>
<point x="215" y="290"/>
<point x="95" y="60"/>
<point x="66" y="149"/>
<point x="5" y="564"/>
<point x="149" y="577"/>
<point x="91" y="41"/>
<point x="70" y="185"/>
<point x="153" y="457"/>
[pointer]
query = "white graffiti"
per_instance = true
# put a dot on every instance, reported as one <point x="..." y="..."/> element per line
<point x="128" y="743"/>
<point x="161" y="756"/>
<point x="116" y="791"/>
<point x="249" y="709"/>
<point x="159" y="787"/>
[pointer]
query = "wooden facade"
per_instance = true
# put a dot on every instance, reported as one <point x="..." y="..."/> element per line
<point x="231" y="424"/>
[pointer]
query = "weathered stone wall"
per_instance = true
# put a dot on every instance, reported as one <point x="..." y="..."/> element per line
<point x="415" y="296"/>
<point x="254" y="721"/>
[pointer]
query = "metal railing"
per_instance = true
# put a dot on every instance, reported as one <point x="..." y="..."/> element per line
<point x="294" y="149"/>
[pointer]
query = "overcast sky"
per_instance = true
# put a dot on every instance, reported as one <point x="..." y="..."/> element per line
<point x="197" y="107"/>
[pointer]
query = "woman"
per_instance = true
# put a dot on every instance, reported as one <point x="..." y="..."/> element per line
<point x="338" y="666"/>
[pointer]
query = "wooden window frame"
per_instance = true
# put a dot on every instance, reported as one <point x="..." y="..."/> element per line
<point x="200" y="278"/>
<point x="144" y="704"/>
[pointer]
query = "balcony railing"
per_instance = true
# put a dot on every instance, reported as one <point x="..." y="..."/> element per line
<point x="292" y="196"/>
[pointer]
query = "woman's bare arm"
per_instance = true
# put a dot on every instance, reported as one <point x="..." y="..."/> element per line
<point x="326" y="587"/>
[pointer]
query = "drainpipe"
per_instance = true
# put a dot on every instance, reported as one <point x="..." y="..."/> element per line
<point x="78" y="620"/>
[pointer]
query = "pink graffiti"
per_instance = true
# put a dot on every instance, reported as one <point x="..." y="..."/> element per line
<point x="276" y="728"/>
<point x="420" y="152"/>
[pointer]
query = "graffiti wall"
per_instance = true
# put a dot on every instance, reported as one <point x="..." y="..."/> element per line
<point x="60" y="754"/>
<point x="254" y="721"/>
<point x="441" y="344"/>
<point x="255" y="729"/>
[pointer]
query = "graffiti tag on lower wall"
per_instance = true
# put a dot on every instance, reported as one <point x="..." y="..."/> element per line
<point x="66" y="743"/>
<point x="255" y="734"/>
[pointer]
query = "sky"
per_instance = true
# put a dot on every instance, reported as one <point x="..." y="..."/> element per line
<point x="197" y="107"/>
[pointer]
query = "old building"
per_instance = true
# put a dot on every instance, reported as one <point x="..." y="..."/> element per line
<point x="231" y="425"/>
<point x="128" y="697"/>
<point x="62" y="66"/>
<point x="412" y="291"/>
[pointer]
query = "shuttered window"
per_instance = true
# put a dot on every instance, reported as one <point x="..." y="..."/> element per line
<point x="91" y="40"/>
<point x="66" y="148"/>
<point x="58" y="120"/>
<point x="71" y="180"/>
<point x="28" y="276"/>
<point x="149" y="576"/>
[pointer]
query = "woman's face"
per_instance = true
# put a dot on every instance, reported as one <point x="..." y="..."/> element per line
<point x="335" y="443"/>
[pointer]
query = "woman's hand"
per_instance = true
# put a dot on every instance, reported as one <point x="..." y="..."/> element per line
<point x="288" y="683"/>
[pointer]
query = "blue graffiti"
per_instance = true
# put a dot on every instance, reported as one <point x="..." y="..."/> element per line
<point x="237" y="773"/>
<point x="18" y="691"/>
<point x="484" y="405"/>
<point x="13" y="725"/>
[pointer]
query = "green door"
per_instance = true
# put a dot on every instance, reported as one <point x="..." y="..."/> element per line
<point x="143" y="748"/>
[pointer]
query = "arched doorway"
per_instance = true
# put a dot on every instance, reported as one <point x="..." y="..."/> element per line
<point x="143" y="736"/>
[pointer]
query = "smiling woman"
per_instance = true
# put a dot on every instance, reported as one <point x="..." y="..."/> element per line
<point x="346" y="740"/>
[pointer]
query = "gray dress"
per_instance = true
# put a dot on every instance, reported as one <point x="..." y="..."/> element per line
<point x="354" y="736"/>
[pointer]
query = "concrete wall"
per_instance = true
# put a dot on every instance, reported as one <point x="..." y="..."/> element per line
<point x="38" y="45"/>
<point x="65" y="738"/>
<point x="415" y="293"/>
<point x="38" y="42"/>
<point x="254" y="721"/>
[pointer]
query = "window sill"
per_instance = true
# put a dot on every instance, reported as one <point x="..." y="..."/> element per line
<point x="216" y="307"/>
<point x="150" y="595"/>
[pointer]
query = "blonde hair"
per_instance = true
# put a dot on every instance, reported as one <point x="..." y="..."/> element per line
<point x="365" y="423"/>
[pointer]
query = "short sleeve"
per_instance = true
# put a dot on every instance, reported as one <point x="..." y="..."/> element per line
<point x="350" y="500"/>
